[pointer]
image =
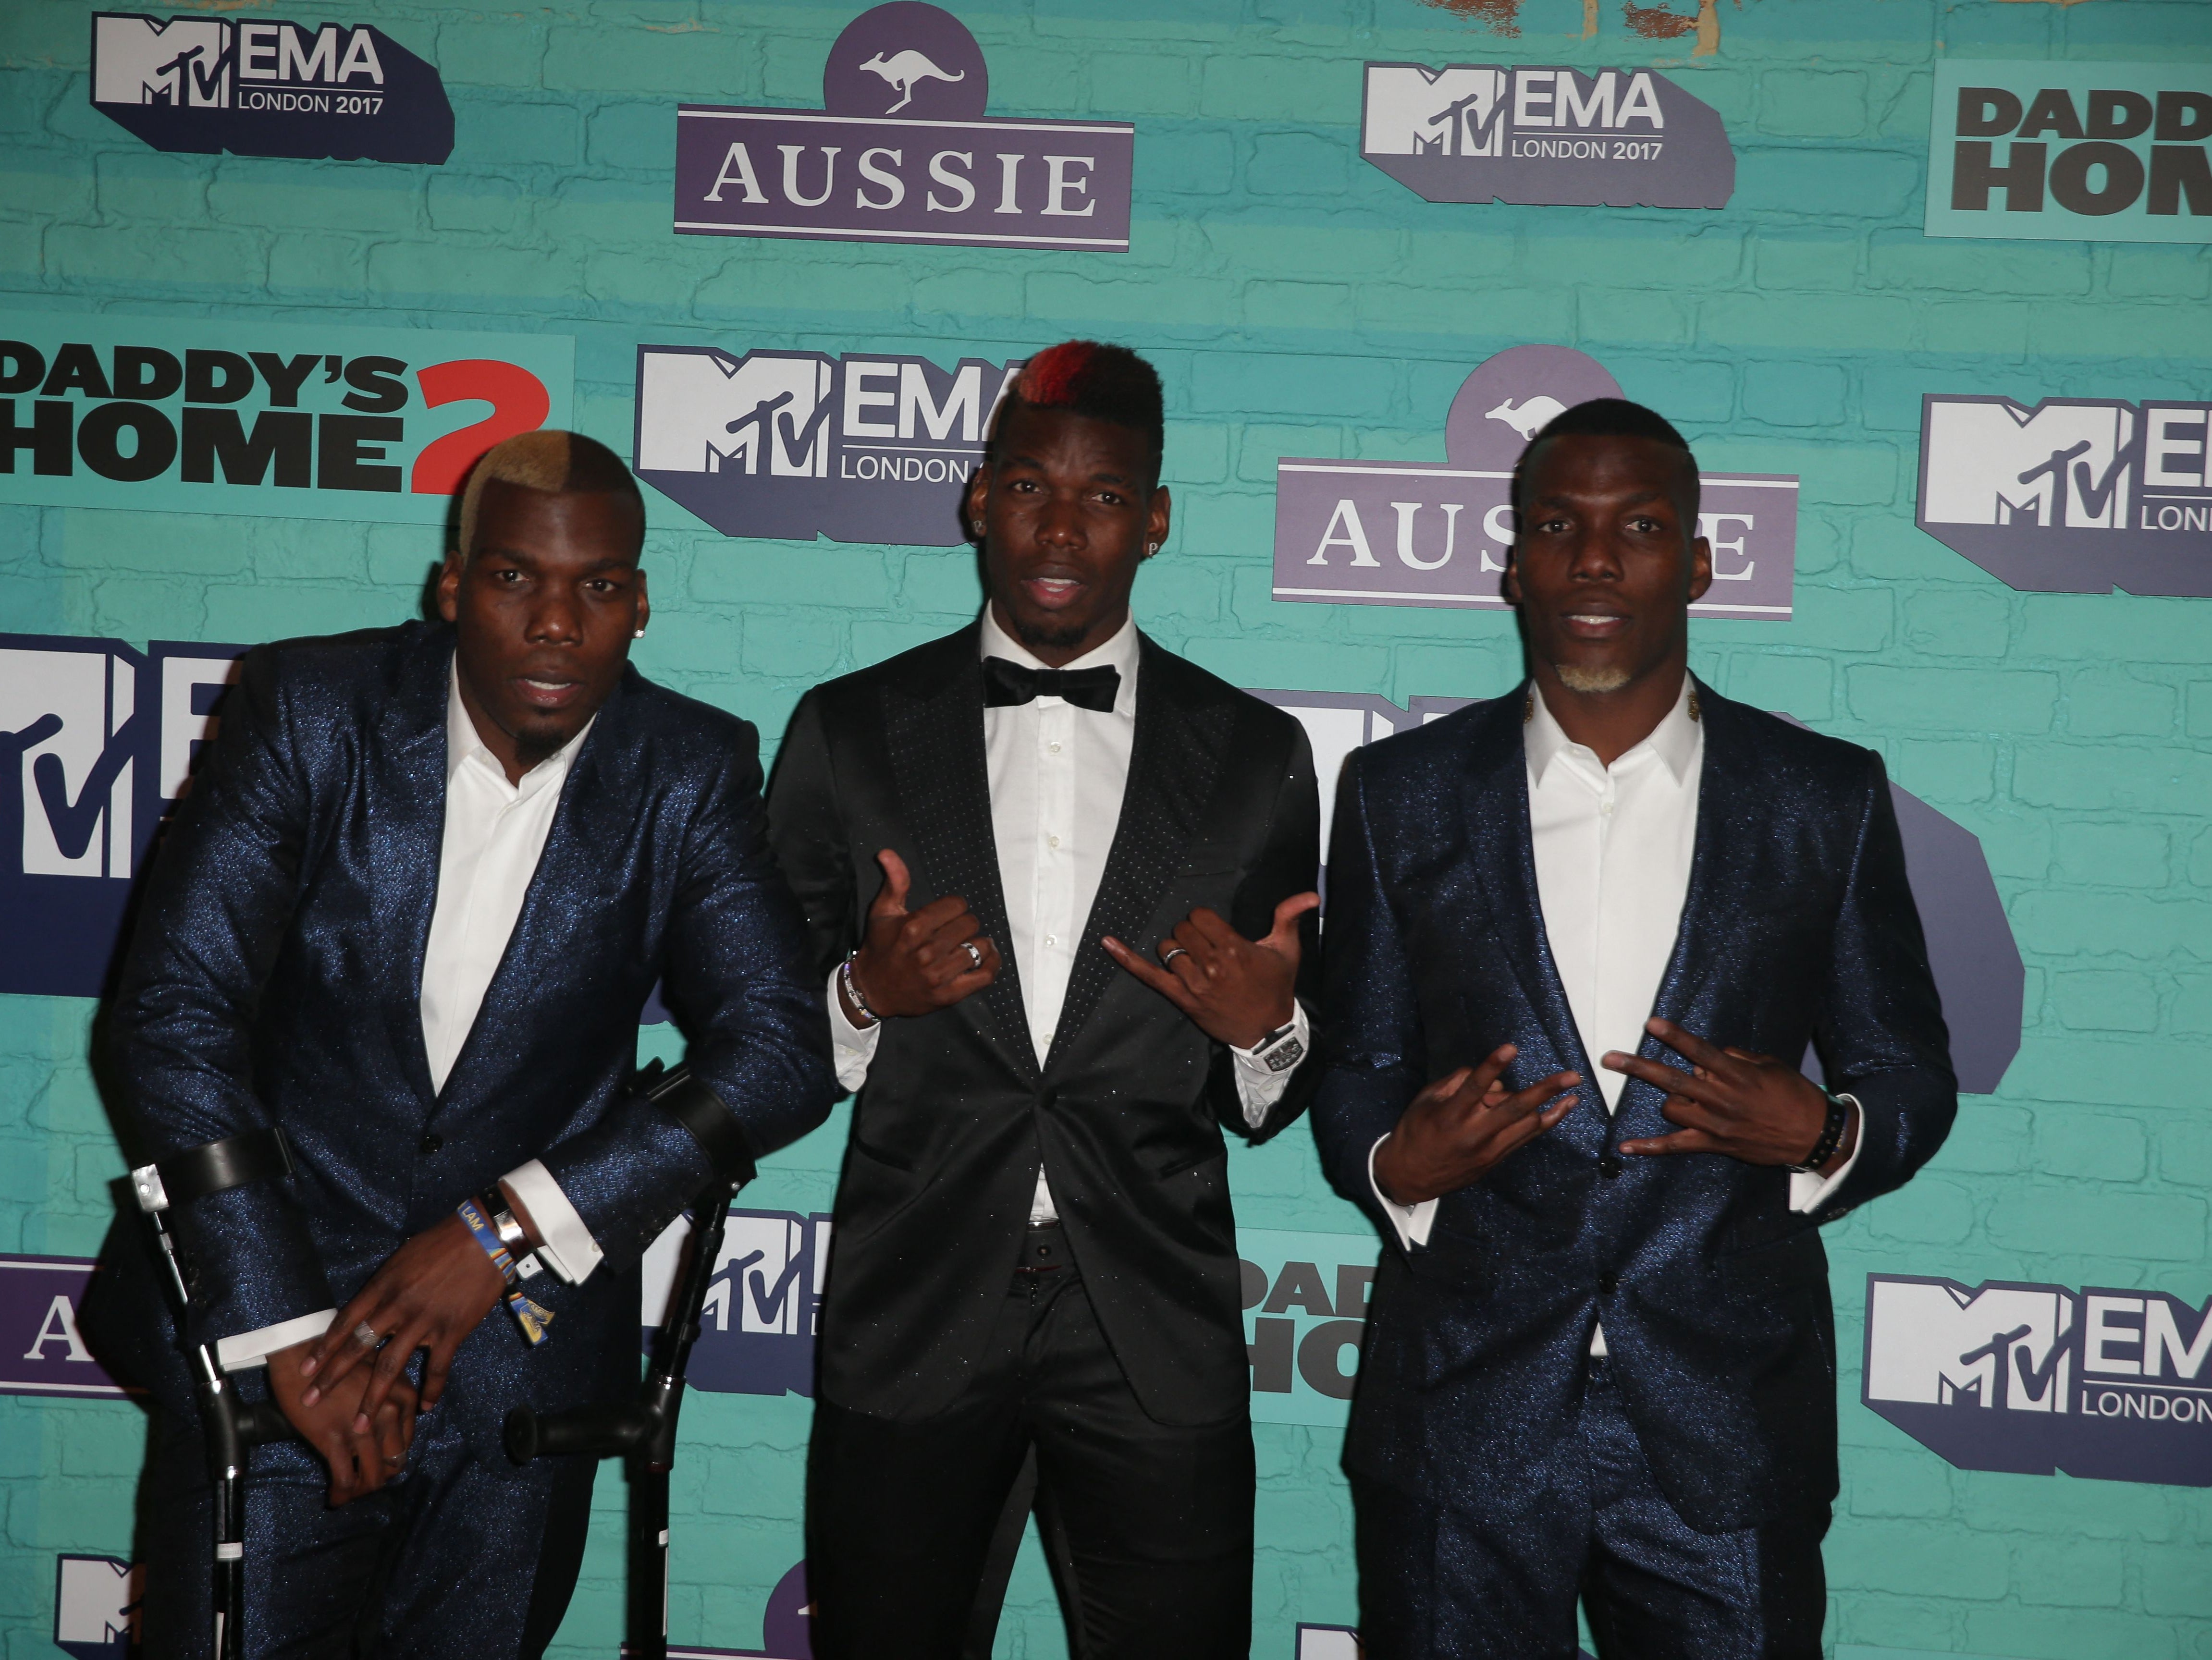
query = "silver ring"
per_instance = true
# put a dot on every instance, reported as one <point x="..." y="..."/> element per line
<point x="365" y="1335"/>
<point x="1171" y="953"/>
<point x="974" y="954"/>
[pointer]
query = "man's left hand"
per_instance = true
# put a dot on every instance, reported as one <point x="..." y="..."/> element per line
<point x="429" y="1295"/>
<point x="1731" y="1102"/>
<point x="1235" y="990"/>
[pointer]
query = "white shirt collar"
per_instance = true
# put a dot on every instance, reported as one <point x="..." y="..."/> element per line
<point x="1675" y="740"/>
<point x="1119" y="653"/>
<point x="463" y="745"/>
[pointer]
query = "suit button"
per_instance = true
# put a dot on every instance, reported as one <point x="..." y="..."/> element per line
<point x="1608" y="1167"/>
<point x="428" y="1145"/>
<point x="1608" y="1284"/>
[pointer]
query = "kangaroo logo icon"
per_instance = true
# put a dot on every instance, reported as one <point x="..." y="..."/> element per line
<point x="1530" y="418"/>
<point x="901" y="69"/>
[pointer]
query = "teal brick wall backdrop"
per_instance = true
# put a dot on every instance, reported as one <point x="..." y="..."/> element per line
<point x="1298" y="303"/>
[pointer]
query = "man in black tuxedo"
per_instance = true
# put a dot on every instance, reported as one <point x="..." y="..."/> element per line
<point x="1034" y="1247"/>
<point x="1600" y="1362"/>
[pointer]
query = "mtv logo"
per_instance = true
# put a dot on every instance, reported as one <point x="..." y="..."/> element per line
<point x="1412" y="110"/>
<point x="1932" y="1340"/>
<point x="185" y="63"/>
<point x="2066" y="463"/>
<point x="701" y="411"/>
<point x="96" y="1607"/>
<point x="757" y="1326"/>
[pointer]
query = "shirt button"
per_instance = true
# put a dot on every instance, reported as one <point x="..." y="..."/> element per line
<point x="1606" y="811"/>
<point x="1052" y="939"/>
<point x="1052" y="841"/>
<point x="1608" y="1167"/>
<point x="428" y="1145"/>
<point x="1054" y="748"/>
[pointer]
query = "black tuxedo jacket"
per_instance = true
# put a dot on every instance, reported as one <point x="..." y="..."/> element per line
<point x="1220" y="810"/>
<point x="276" y="976"/>
<point x="1797" y="926"/>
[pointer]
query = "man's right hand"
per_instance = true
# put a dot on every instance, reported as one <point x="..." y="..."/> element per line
<point x="914" y="962"/>
<point x="360" y="1461"/>
<point x="1462" y="1126"/>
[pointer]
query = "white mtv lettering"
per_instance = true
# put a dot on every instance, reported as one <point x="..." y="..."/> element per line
<point x="2162" y="1340"/>
<point x="183" y="731"/>
<point x="964" y="402"/>
<point x="2175" y="433"/>
<point x="1328" y="1643"/>
<point x="58" y="1327"/>
<point x="137" y="60"/>
<point x="707" y="412"/>
<point x="860" y="397"/>
<point x="96" y="1599"/>
<point x="1550" y="98"/>
<point x="1412" y="111"/>
<point x="2157" y="1340"/>
<point x="64" y="777"/>
<point x="1992" y="462"/>
<point x="1406" y="510"/>
<point x="763" y="1257"/>
<point x="1345" y="531"/>
<point x="1934" y="1342"/>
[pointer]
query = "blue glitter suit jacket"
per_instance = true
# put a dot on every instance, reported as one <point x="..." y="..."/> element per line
<point x="1798" y="926"/>
<point x="275" y="973"/>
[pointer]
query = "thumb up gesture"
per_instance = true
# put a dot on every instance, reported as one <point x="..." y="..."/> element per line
<point x="914" y="962"/>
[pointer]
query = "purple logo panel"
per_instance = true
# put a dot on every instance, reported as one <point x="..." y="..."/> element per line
<point x="757" y="1327"/>
<point x="41" y="1351"/>
<point x="2078" y="495"/>
<point x="2035" y="1379"/>
<point x="1548" y="137"/>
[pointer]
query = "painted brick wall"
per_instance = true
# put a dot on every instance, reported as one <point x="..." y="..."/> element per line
<point x="1298" y="302"/>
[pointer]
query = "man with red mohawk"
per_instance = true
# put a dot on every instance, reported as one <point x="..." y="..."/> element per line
<point x="1059" y="887"/>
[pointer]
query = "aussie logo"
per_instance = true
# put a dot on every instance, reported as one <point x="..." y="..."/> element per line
<point x="2092" y="151"/>
<point x="2038" y="1379"/>
<point x="1614" y="138"/>
<point x="204" y="415"/>
<point x="41" y="1351"/>
<point x="796" y="444"/>
<point x="2075" y="495"/>
<point x="902" y="151"/>
<point x="268" y="88"/>
<point x="1418" y="533"/>
<point x="96" y="741"/>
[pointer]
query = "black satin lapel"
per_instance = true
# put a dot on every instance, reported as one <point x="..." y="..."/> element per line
<point x="1174" y="763"/>
<point x="1498" y="812"/>
<point x="408" y="830"/>
<point x="935" y="741"/>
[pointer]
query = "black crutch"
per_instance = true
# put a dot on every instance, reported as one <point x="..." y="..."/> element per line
<point x="232" y="1427"/>
<point x="643" y="1433"/>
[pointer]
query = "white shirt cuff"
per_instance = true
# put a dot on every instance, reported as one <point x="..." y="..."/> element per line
<point x="569" y="1249"/>
<point x="1808" y="1189"/>
<point x="1258" y="1087"/>
<point x="249" y="1349"/>
<point x="851" y="1046"/>
<point x="1413" y="1221"/>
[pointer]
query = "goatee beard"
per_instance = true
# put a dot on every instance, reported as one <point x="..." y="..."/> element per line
<point x="1575" y="678"/>
<point x="1048" y="636"/>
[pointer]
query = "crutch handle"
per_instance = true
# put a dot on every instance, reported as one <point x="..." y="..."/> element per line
<point x="260" y="1422"/>
<point x="597" y="1431"/>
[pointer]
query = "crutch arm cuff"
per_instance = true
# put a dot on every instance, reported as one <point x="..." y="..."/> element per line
<point x="252" y="1155"/>
<point x="688" y="1100"/>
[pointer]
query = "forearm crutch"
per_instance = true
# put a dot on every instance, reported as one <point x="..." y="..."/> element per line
<point x="643" y="1433"/>
<point x="230" y="1428"/>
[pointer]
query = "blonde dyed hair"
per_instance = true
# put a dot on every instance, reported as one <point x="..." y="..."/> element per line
<point x="551" y="460"/>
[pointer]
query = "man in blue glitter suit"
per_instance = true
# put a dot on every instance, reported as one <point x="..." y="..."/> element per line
<point x="1579" y="937"/>
<point x="408" y="916"/>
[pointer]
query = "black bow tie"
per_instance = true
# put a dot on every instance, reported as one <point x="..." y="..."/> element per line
<point x="1006" y="683"/>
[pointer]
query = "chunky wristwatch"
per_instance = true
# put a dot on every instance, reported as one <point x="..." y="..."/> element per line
<point x="1281" y="1049"/>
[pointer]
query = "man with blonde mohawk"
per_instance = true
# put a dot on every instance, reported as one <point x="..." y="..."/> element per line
<point x="376" y="1031"/>
<point x="1059" y="882"/>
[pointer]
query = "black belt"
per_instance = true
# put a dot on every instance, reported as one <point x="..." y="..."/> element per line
<point x="253" y="1155"/>
<point x="1044" y="1248"/>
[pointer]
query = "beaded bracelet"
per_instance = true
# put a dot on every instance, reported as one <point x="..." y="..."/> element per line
<point x="1832" y="1134"/>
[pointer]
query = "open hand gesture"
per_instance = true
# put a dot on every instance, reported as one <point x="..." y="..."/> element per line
<point x="1235" y="990"/>
<point x="1463" y="1125"/>
<point x="914" y="962"/>
<point x="1748" y="1106"/>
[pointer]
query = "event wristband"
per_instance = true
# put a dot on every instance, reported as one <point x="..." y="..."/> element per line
<point x="1833" y="1130"/>
<point x="851" y="987"/>
<point x="530" y="1316"/>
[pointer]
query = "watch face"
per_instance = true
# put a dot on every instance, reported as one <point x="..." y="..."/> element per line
<point x="1286" y="1056"/>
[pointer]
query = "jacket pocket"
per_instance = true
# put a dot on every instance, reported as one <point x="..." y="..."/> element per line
<point x="905" y="1166"/>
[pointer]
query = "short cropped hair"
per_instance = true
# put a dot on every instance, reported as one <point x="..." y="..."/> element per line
<point x="1612" y="417"/>
<point x="556" y="463"/>
<point x="1102" y="382"/>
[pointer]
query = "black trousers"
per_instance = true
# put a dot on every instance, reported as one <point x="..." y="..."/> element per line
<point x="1150" y="1525"/>
<point x="1439" y="1582"/>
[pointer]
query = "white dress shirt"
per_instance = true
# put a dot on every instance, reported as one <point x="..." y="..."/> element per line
<point x="1612" y="847"/>
<point x="495" y="833"/>
<point x="1056" y="774"/>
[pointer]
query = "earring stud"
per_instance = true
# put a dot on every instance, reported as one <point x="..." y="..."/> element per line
<point x="639" y="634"/>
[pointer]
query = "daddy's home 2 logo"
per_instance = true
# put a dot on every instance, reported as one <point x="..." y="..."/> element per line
<point x="900" y="151"/>
<point x="1616" y="138"/>
<point x="217" y="416"/>
<point x="2038" y="1378"/>
<point x="1418" y="533"/>
<point x="201" y="85"/>
<point x="2081" y="151"/>
<point x="873" y="447"/>
<point x="2076" y="495"/>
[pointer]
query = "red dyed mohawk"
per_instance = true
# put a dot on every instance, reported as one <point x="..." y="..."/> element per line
<point x="1102" y="382"/>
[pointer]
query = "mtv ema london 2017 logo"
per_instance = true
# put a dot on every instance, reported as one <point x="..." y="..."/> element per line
<point x="902" y="152"/>
<point x="2038" y="1379"/>
<point x="796" y="444"/>
<point x="204" y="85"/>
<point x="1414" y="533"/>
<point x="209" y="416"/>
<point x="2078" y="495"/>
<point x="2098" y="152"/>
<point x="1547" y="138"/>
